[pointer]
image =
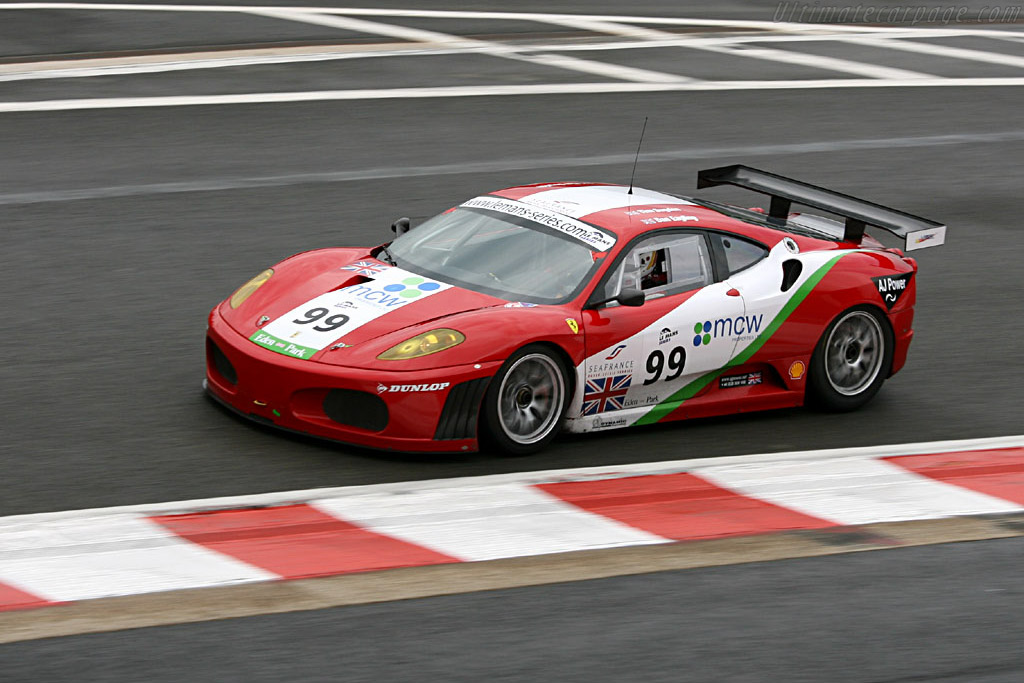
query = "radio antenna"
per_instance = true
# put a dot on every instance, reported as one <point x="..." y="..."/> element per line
<point x="633" y="174"/>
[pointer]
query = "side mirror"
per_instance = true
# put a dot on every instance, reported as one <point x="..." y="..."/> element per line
<point x="627" y="297"/>
<point x="400" y="227"/>
<point x="631" y="297"/>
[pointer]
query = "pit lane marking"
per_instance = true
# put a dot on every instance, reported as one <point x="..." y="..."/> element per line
<point x="815" y="61"/>
<point x="614" y="71"/>
<point x="811" y="28"/>
<point x="158" y="63"/>
<point x="938" y="50"/>
<point x="491" y="91"/>
<point x="334" y="17"/>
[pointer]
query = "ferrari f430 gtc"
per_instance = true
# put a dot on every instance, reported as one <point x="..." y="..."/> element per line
<point x="577" y="307"/>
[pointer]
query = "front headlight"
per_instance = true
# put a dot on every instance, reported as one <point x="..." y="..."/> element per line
<point x="424" y="344"/>
<point x="246" y="290"/>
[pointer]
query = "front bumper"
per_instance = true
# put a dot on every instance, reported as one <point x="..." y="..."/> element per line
<point x="432" y="410"/>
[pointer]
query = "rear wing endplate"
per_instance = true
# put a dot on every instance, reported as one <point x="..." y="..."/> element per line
<point x="917" y="232"/>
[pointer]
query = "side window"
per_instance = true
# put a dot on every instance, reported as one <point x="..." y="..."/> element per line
<point x="739" y="253"/>
<point x="663" y="264"/>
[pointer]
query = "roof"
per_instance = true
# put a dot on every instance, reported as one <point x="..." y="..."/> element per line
<point x="613" y="207"/>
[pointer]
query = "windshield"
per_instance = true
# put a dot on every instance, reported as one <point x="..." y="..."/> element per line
<point x="510" y="257"/>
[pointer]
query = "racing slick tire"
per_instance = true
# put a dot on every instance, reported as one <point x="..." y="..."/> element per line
<point x="526" y="401"/>
<point x="851" y="360"/>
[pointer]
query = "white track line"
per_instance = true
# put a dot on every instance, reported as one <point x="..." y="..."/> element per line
<point x="616" y="71"/>
<point x="144" y="64"/>
<point x="1006" y="35"/>
<point x="613" y="71"/>
<point x="503" y="165"/>
<point x="762" y="53"/>
<point x="511" y="16"/>
<point x="939" y="50"/>
<point x="547" y="476"/>
<point x="612" y="28"/>
<point x="489" y="91"/>
<point x="135" y="65"/>
<point x="416" y="35"/>
<point x="816" y="61"/>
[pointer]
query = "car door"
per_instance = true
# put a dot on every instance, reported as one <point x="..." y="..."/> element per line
<point x="758" y="274"/>
<point x="639" y="358"/>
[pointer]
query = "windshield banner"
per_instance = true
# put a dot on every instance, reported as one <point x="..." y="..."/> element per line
<point x="588" y="234"/>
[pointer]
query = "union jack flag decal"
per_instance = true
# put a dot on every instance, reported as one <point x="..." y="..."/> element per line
<point x="366" y="268"/>
<point x="605" y="394"/>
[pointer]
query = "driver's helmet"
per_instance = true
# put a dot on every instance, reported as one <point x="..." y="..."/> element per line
<point x="648" y="260"/>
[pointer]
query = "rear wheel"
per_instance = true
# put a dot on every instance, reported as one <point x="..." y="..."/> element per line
<point x="526" y="401"/>
<point x="851" y="361"/>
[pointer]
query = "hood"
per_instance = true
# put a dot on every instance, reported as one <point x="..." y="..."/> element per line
<point x="351" y="304"/>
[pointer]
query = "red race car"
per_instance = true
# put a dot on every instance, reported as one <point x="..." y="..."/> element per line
<point x="576" y="306"/>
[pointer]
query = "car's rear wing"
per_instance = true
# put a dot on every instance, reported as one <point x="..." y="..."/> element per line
<point x="917" y="232"/>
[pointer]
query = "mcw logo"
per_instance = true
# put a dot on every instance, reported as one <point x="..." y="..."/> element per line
<point x="739" y="326"/>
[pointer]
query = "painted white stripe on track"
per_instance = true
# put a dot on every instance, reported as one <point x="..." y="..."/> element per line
<point x="525" y="478"/>
<point x="853" y="491"/>
<point x="489" y="91"/>
<point x="472" y="523"/>
<point x="815" y="61"/>
<point x="698" y="40"/>
<point x="123" y="554"/>
<point x="486" y="47"/>
<point x="940" y="51"/>
<point x="612" y="28"/>
<point x="416" y="35"/>
<point x="774" y="26"/>
<point x="141" y="64"/>
<point x="616" y="71"/>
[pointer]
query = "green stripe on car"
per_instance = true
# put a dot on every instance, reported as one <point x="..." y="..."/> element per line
<point x="693" y="388"/>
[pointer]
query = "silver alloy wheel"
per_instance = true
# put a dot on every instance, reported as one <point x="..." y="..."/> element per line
<point x="530" y="398"/>
<point x="854" y="353"/>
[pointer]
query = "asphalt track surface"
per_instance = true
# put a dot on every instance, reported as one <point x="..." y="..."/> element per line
<point x="881" y="617"/>
<point x="122" y="228"/>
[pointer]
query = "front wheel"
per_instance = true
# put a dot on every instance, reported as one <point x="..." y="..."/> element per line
<point x="851" y="360"/>
<point x="526" y="401"/>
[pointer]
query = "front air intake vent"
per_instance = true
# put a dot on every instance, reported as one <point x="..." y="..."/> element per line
<point x="356" y="409"/>
<point x="219" y="363"/>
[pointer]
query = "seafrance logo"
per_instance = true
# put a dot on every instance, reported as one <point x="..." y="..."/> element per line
<point x="891" y="287"/>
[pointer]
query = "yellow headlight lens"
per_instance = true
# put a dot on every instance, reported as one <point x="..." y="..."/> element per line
<point x="246" y="290"/>
<point x="424" y="344"/>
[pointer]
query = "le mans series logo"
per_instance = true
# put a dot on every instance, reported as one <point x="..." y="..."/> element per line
<point x="891" y="287"/>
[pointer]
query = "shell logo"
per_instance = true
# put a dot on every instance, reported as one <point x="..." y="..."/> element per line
<point x="797" y="369"/>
